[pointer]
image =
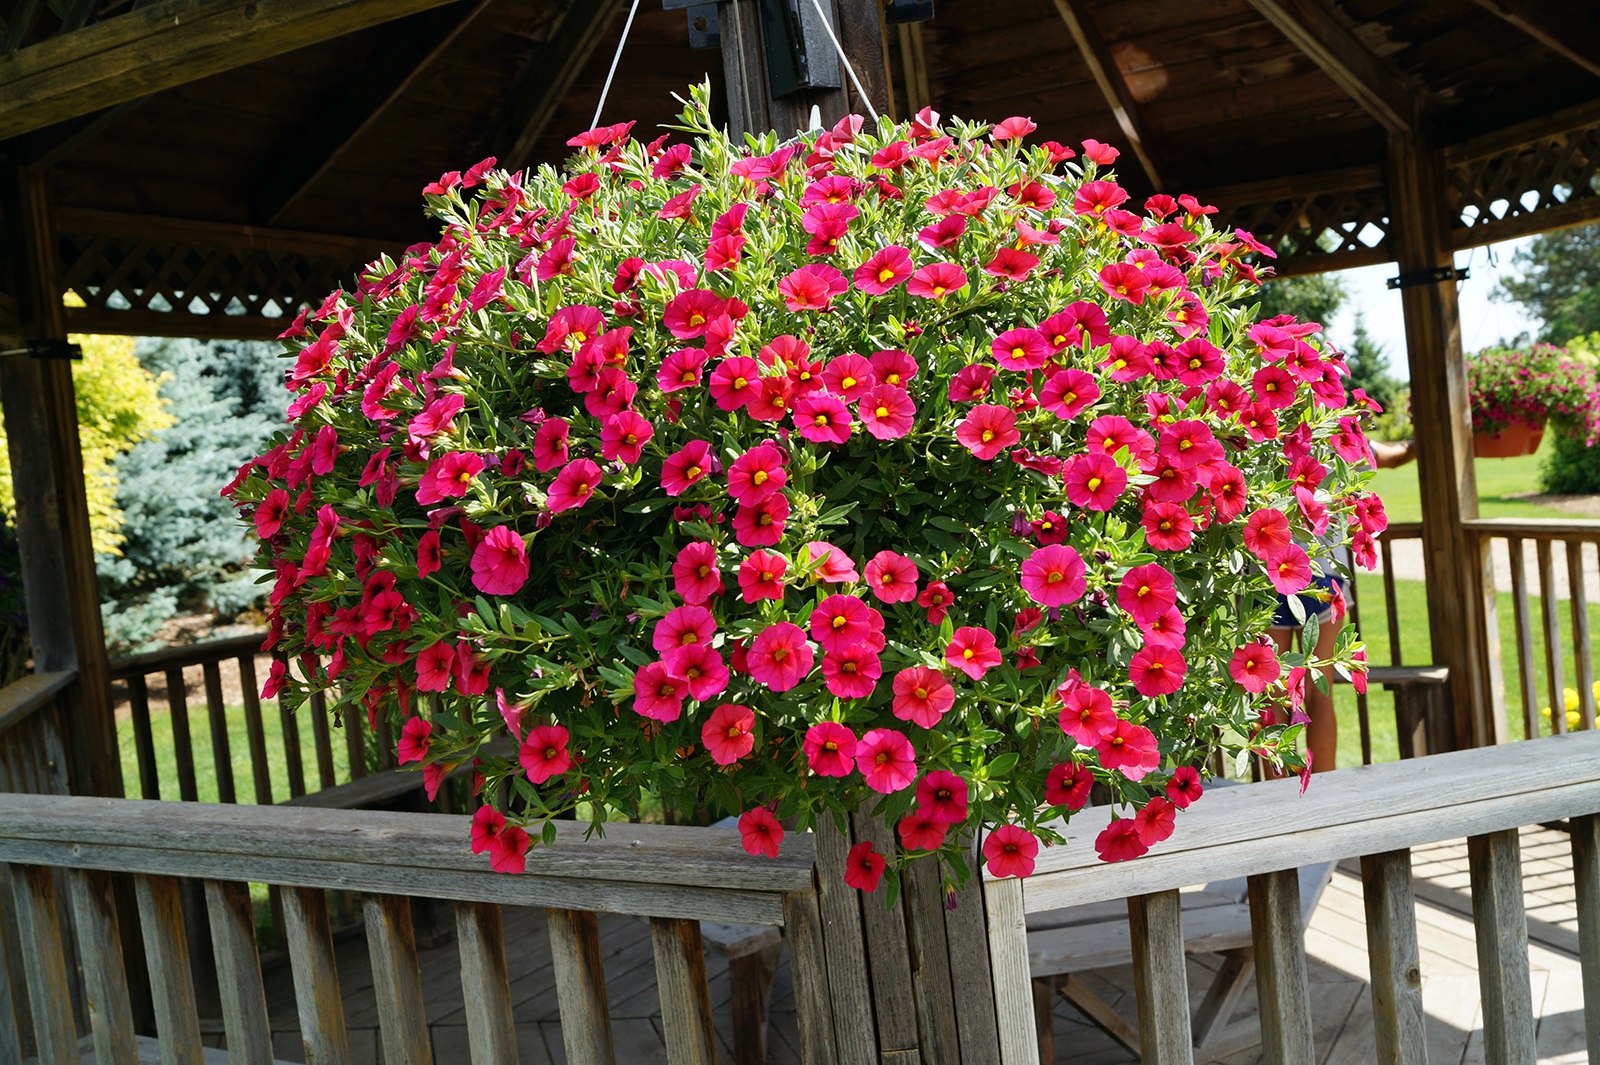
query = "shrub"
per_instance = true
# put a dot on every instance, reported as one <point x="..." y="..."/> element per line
<point x="901" y="466"/>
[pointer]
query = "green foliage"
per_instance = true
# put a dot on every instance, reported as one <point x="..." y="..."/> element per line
<point x="1560" y="282"/>
<point x="1572" y="466"/>
<point x="1312" y="298"/>
<point x="1369" y="367"/>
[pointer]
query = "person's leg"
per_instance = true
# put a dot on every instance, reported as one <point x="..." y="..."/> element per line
<point x="1322" y="735"/>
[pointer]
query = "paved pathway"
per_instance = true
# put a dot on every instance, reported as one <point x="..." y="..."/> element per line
<point x="1408" y="566"/>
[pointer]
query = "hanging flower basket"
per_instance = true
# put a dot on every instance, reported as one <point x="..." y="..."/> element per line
<point x="910" y="467"/>
<point x="1517" y="438"/>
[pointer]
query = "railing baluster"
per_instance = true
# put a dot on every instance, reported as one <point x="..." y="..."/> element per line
<point x="1363" y="718"/>
<point x="1550" y="619"/>
<point x="33" y="891"/>
<point x="1397" y="1017"/>
<point x="802" y="929"/>
<point x="143" y="741"/>
<point x="685" y="996"/>
<point x="1391" y="606"/>
<point x="354" y="743"/>
<point x="217" y="715"/>
<point x="1582" y="664"/>
<point x="580" y="987"/>
<point x="485" y="985"/>
<point x="316" y="976"/>
<point x="1501" y="927"/>
<point x="1160" y="981"/>
<point x="244" y="998"/>
<point x="256" y="731"/>
<point x="105" y="977"/>
<point x="319" y="731"/>
<point x="182" y="742"/>
<point x="397" y="981"/>
<point x="166" y="950"/>
<point x="1282" y="987"/>
<point x="1586" y="881"/>
<point x="1527" y="684"/>
<point x="293" y="757"/>
<point x="1008" y="961"/>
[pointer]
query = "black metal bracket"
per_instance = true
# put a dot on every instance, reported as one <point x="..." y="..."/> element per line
<point x="1431" y="276"/>
<point x="705" y="28"/>
<point x="47" y="349"/>
<point x="896" y="12"/>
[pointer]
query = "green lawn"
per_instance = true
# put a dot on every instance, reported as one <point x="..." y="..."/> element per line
<point x="1497" y="479"/>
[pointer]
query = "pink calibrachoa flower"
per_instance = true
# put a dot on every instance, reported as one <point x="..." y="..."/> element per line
<point x="1124" y="281"/>
<point x="756" y="474"/>
<point x="573" y="486"/>
<point x="1014" y="264"/>
<point x="836" y="566"/>
<point x="942" y="796"/>
<point x="701" y="669"/>
<point x="886" y="268"/>
<point x="544" y="753"/>
<point x="471" y="673"/>
<point x="761" y="524"/>
<point x="1068" y="393"/>
<point x="761" y="576"/>
<point x="830" y="749"/>
<point x="1087" y="715"/>
<point x="1010" y="850"/>
<point x="1157" y="670"/>
<point x="988" y="430"/>
<point x="920" y="832"/>
<point x="972" y="650"/>
<point x="1184" y="786"/>
<point x="681" y="369"/>
<point x="429" y="557"/>
<point x="780" y="657"/>
<point x="1147" y="592"/>
<point x="434" y="664"/>
<point x="1054" y="576"/>
<point x="1020" y="349"/>
<point x="1167" y="526"/>
<point x="1266" y="532"/>
<point x="863" y="867"/>
<point x="892" y="577"/>
<point x="887" y="760"/>
<point x="271" y="512"/>
<point x="971" y="383"/>
<point x="1130" y="750"/>
<point x="822" y="418"/>
<point x="760" y="832"/>
<point x="1166" y="630"/>
<point x="1289" y="569"/>
<point x="852" y="673"/>
<point x="623" y="437"/>
<point x="840" y="622"/>
<point x="686" y="467"/>
<point x="550" y="444"/>
<point x="922" y="696"/>
<point x="733" y="382"/>
<point x="1067" y="785"/>
<point x="937" y="280"/>
<point x="510" y="712"/>
<point x="1255" y="666"/>
<point x="1094" y="482"/>
<point x="887" y="412"/>
<point x="729" y="733"/>
<point x="507" y="845"/>
<point x="415" y="737"/>
<point x="812" y="287"/>
<point x="500" y="562"/>
<point x="1155" y="821"/>
<point x="936" y="599"/>
<point x="657" y="694"/>
<point x="849" y="377"/>
<point x="695" y="574"/>
<point x="1120" y="841"/>
<point x="681" y="627"/>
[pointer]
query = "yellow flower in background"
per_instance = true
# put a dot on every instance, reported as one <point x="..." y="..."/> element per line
<point x="1569" y="697"/>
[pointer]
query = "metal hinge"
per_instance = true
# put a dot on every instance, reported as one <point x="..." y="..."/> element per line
<point x="1431" y="276"/>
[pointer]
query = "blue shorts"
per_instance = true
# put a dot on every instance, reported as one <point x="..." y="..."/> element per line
<point x="1317" y="599"/>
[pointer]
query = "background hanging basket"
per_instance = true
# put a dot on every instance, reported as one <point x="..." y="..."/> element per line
<point x="1517" y="438"/>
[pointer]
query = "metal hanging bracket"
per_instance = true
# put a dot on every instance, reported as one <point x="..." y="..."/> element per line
<point x="1431" y="276"/>
<point x="47" y="349"/>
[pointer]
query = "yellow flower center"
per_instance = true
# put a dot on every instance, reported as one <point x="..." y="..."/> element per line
<point x="988" y="435"/>
<point x="839" y="621"/>
<point x="882" y="412"/>
<point x="1094" y="484"/>
<point x="759" y="477"/>
<point x="885" y="274"/>
<point x="847" y="382"/>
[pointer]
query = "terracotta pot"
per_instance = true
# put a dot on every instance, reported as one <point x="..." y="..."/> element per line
<point x="1518" y="438"/>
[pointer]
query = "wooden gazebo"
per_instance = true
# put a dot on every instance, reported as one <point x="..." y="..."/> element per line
<point x="202" y="168"/>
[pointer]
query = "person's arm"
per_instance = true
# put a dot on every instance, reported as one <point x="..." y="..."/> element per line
<point x="1389" y="455"/>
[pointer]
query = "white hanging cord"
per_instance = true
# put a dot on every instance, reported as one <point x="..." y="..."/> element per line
<point x="606" y="89"/>
<point x="837" y="47"/>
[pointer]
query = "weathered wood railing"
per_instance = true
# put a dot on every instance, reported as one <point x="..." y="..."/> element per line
<point x="32" y="758"/>
<point x="1265" y="831"/>
<point x="675" y="876"/>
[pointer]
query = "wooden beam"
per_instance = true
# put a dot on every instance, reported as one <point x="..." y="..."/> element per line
<point x="89" y="221"/>
<point x="1569" y="28"/>
<point x="1313" y="28"/>
<point x="914" y="67"/>
<point x="45" y="148"/>
<point x="168" y="43"/>
<point x="546" y="79"/>
<point x="407" y="48"/>
<point x="861" y="29"/>
<point x="1113" y="86"/>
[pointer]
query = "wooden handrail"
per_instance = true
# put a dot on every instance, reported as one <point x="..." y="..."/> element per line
<point x="22" y="699"/>
<point x="1578" y="529"/>
<point x="1402" y="530"/>
<point x="190" y="654"/>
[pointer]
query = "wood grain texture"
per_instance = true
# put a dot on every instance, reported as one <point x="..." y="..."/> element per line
<point x="105" y="977"/>
<point x="1097" y="57"/>
<point x="16" y="1025"/>
<point x="1501" y="925"/>
<point x="397" y="981"/>
<point x="182" y="740"/>
<point x="244" y="999"/>
<point x="967" y="935"/>
<point x="1550" y="625"/>
<point x="814" y="1008"/>
<point x="547" y="78"/>
<point x="166" y="949"/>
<point x="1586" y="884"/>
<point x="217" y="716"/>
<point x="1008" y="961"/>
<point x="143" y="738"/>
<point x="849" y="991"/>
<point x="255" y="730"/>
<point x="1314" y="29"/>
<point x="1582" y="652"/>
<point x="580" y="987"/>
<point x="888" y="953"/>
<point x="923" y="898"/>
<point x="1282" y="988"/>
<point x="49" y="984"/>
<point x="485" y="986"/>
<point x="1398" y="1021"/>
<point x="316" y="977"/>
<point x="685" y="996"/>
<point x="1527" y="680"/>
<point x="1160" y="981"/>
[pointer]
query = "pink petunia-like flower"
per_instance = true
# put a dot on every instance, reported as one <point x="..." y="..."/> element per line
<point x="695" y="574"/>
<point x="507" y="845"/>
<point x="942" y="796"/>
<point x="729" y="733"/>
<point x="972" y="650"/>
<point x="1266" y="532"/>
<point x="550" y="444"/>
<point x="892" y="577"/>
<point x="988" y="430"/>
<point x="1010" y="850"/>
<point x="434" y="665"/>
<point x="1020" y="349"/>
<point x="1012" y="129"/>
<point x="780" y="657"/>
<point x="271" y="512"/>
<point x="1289" y="569"/>
<point x="1013" y="264"/>
<point x="573" y="486"/>
<point x="1255" y="666"/>
<point x="1147" y="592"/>
<point x="757" y="474"/>
<point x="849" y="377"/>
<point x="887" y="760"/>
<point x="1094" y="481"/>
<point x="684" y="626"/>
<point x="1120" y="841"/>
<point x="863" y="867"/>
<point x="686" y="467"/>
<point x="936" y="599"/>
<point x="1054" y="576"/>
<point x="733" y="382"/>
<point x="920" y="832"/>
<point x="830" y="749"/>
<point x="1157" y="670"/>
<point x="937" y="280"/>
<point x="500" y="562"/>
<point x="1125" y="281"/>
<point x="1166" y="630"/>
<point x="835" y="566"/>
<point x="1167" y="526"/>
<point x="760" y="832"/>
<point x="840" y="622"/>
<point x="544" y="753"/>
<point x="657" y="694"/>
<point x="1155" y="821"/>
<point x="1067" y="785"/>
<point x="1087" y="714"/>
<point x="1184" y="786"/>
<point x="761" y="576"/>
<point x="701" y="668"/>
<point x="1129" y="749"/>
<point x="415" y="739"/>
<point x="922" y="696"/>
<point x="1068" y="393"/>
<point x="887" y="412"/>
<point x="623" y="437"/>
<point x="812" y="287"/>
<point x="689" y="314"/>
<point x="822" y="418"/>
<point x="886" y="268"/>
<point x="761" y="524"/>
<point x="852" y="673"/>
<point x="971" y="383"/>
<point x="681" y="369"/>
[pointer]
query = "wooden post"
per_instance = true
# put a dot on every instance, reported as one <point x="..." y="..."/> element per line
<point x="1397" y="1018"/>
<point x="1461" y="612"/>
<point x="1160" y="979"/>
<point x="1501" y="927"/>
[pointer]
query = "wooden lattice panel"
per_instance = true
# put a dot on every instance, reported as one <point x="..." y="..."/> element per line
<point x="169" y="277"/>
<point x="1322" y="222"/>
<point x="1525" y="180"/>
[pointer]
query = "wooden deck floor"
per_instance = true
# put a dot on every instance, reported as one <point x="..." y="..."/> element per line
<point x="1335" y="941"/>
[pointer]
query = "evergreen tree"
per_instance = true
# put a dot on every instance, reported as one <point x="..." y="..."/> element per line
<point x="1560" y="282"/>
<point x="1369" y="366"/>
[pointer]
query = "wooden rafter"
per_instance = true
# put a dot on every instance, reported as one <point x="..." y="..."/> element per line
<point x="168" y="43"/>
<point x="1113" y="86"/>
<point x="393" y="64"/>
<point x="548" y="77"/>
<point x="1313" y="28"/>
<point x="1570" y="28"/>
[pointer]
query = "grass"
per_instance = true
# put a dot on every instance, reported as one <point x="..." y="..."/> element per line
<point x="1498" y="480"/>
